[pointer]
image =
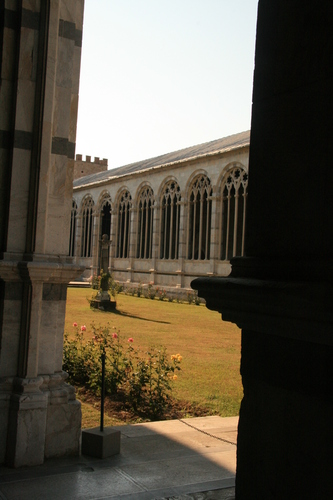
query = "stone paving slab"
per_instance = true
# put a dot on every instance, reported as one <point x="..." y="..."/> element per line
<point x="225" y="494"/>
<point x="158" y="460"/>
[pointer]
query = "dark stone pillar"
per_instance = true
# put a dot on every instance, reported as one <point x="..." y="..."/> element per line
<point x="280" y="294"/>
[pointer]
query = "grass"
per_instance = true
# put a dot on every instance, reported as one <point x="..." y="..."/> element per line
<point x="210" y="347"/>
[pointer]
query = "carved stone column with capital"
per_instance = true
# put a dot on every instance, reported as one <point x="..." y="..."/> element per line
<point x="41" y="49"/>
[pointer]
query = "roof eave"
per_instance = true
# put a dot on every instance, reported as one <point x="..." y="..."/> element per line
<point x="163" y="165"/>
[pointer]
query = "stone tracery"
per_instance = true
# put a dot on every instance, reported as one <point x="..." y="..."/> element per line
<point x="87" y="227"/>
<point x="123" y="224"/>
<point x="169" y="223"/>
<point x="233" y="210"/>
<point x="145" y="223"/>
<point x="199" y="219"/>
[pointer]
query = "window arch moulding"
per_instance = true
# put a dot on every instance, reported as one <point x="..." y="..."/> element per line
<point x="145" y="214"/>
<point x="87" y="210"/>
<point x="234" y="189"/>
<point x="123" y="208"/>
<point x="199" y="205"/>
<point x="170" y="198"/>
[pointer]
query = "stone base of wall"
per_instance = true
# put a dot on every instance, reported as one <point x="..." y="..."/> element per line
<point x="39" y="418"/>
<point x="167" y="274"/>
<point x="63" y="422"/>
<point x="168" y="293"/>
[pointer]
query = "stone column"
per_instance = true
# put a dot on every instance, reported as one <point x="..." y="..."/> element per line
<point x="214" y="234"/>
<point x="96" y="246"/>
<point x="280" y="294"/>
<point x="133" y="240"/>
<point x="113" y="235"/>
<point x="39" y="416"/>
<point x="155" y="246"/>
<point x="182" y="243"/>
<point x="79" y="235"/>
<point x="77" y="244"/>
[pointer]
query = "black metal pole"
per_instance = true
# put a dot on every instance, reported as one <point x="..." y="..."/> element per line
<point x="102" y="391"/>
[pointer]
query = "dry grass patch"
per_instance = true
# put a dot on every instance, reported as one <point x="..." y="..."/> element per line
<point x="210" y="347"/>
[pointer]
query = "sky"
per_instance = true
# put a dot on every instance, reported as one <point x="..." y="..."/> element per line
<point x="162" y="75"/>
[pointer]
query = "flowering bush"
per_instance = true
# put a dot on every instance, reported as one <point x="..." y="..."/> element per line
<point x="193" y="298"/>
<point x="161" y="294"/>
<point x="140" y="289"/>
<point x="143" y="381"/>
<point x="105" y="282"/>
<point x="151" y="292"/>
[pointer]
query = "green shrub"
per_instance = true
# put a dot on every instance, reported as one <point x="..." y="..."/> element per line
<point x="151" y="292"/>
<point x="161" y="294"/>
<point x="145" y="382"/>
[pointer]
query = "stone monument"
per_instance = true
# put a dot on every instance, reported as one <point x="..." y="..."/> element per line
<point x="102" y="300"/>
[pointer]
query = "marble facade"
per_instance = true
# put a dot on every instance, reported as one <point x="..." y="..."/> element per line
<point x="40" y="65"/>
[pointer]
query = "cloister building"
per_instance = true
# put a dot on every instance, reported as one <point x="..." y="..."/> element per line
<point x="168" y="219"/>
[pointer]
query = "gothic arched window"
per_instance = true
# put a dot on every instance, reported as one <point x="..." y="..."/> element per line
<point x="233" y="206"/>
<point x="72" y="230"/>
<point x="199" y="219"/>
<point x="145" y="224"/>
<point x="87" y="227"/>
<point x="170" y="217"/>
<point x="123" y="229"/>
<point x="105" y="211"/>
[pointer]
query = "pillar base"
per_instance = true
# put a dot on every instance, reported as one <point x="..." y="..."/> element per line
<point x="63" y="424"/>
<point x="26" y="423"/>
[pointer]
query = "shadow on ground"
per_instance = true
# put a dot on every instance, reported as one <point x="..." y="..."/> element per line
<point x="158" y="460"/>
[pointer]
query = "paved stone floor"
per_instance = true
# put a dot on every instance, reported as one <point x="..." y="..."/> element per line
<point x="225" y="494"/>
<point x="177" y="459"/>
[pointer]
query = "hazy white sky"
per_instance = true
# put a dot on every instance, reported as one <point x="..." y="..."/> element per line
<point x="162" y="75"/>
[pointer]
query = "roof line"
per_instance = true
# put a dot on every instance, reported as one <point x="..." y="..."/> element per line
<point x="162" y="165"/>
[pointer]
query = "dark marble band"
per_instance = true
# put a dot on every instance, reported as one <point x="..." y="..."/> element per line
<point x="29" y="19"/>
<point x="62" y="146"/>
<point x="68" y="30"/>
<point x="22" y="140"/>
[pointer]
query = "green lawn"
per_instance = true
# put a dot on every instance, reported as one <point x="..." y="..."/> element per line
<point x="210" y="347"/>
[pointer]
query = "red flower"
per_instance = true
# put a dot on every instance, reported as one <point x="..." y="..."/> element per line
<point x="83" y="328"/>
<point x="74" y="324"/>
<point x="130" y="339"/>
<point x="114" y="336"/>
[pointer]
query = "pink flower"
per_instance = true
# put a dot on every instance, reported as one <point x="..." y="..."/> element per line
<point x="74" y="324"/>
<point x="114" y="336"/>
<point x="130" y="339"/>
<point x="83" y="328"/>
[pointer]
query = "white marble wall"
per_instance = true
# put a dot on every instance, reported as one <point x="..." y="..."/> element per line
<point x="163" y="272"/>
<point x="39" y="415"/>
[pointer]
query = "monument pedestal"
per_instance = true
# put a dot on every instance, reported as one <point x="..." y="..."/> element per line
<point x="100" y="444"/>
<point x="103" y="301"/>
